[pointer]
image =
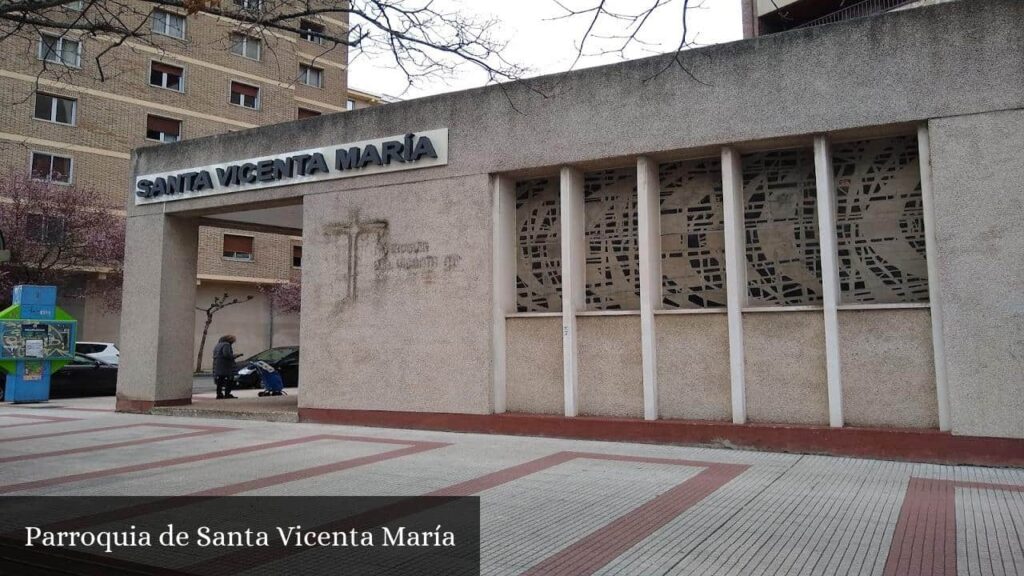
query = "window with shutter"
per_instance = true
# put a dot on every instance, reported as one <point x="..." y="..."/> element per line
<point x="245" y="95"/>
<point x="238" y="247"/>
<point x="163" y="129"/>
<point x="166" y="76"/>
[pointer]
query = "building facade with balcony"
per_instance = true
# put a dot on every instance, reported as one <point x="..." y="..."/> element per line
<point x="192" y="76"/>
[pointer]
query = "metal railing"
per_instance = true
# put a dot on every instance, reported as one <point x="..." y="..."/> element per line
<point x="858" y="10"/>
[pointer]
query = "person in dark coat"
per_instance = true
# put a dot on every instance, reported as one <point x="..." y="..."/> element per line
<point x="224" y="366"/>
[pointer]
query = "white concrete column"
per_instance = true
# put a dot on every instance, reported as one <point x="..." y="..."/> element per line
<point x="824" y="180"/>
<point x="735" y="277"/>
<point x="158" y="314"/>
<point x="934" y="296"/>
<point x="503" y="243"/>
<point x="649" y="208"/>
<point x="573" y="281"/>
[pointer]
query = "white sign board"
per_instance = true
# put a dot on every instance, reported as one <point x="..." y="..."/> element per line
<point x="394" y="153"/>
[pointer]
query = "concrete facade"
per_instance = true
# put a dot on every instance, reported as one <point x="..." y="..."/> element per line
<point x="416" y="316"/>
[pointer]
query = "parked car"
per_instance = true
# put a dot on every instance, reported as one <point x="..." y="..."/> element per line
<point x="105" y="351"/>
<point x="83" y="376"/>
<point x="284" y="359"/>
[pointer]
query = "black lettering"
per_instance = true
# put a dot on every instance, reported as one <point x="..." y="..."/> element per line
<point x="424" y="147"/>
<point x="265" y="170"/>
<point x="145" y="189"/>
<point x="173" y="185"/>
<point x="203" y="181"/>
<point x="347" y="159"/>
<point x="300" y="163"/>
<point x="247" y="173"/>
<point x="224" y="176"/>
<point x="188" y="178"/>
<point x="159" y="187"/>
<point x="370" y="156"/>
<point x="392" y="151"/>
<point x="317" y="164"/>
<point x="408" y="146"/>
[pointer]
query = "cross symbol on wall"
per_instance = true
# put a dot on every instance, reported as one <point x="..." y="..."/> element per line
<point x="353" y="229"/>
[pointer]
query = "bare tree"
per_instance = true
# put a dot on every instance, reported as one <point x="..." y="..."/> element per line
<point x="219" y="303"/>
<point x="421" y="39"/>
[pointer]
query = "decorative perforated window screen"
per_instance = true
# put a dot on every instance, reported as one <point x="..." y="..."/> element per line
<point x="692" y="234"/>
<point x="781" y="228"/>
<point x="539" y="251"/>
<point x="880" y="221"/>
<point x="611" y="220"/>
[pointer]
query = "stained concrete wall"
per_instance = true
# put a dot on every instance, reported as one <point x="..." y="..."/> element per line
<point x="415" y="336"/>
<point x="888" y="369"/>
<point x="534" y="365"/>
<point x="693" y="366"/>
<point x="899" y="67"/>
<point x="410" y="327"/>
<point x="611" y="368"/>
<point x="978" y="175"/>
<point x="785" y="367"/>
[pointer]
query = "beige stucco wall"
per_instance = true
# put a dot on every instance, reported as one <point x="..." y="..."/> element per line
<point x="101" y="324"/>
<point x="693" y="366"/>
<point x="978" y="177"/>
<point x="247" y="320"/>
<point x="785" y="367"/>
<point x="416" y="333"/>
<point x="888" y="369"/>
<point x="286" y="329"/>
<point x="610" y="366"/>
<point x="534" y="365"/>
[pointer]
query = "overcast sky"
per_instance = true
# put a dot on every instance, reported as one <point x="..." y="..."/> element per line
<point x="545" y="46"/>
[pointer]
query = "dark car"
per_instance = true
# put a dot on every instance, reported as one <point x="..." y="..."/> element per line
<point x="83" y="376"/>
<point x="284" y="359"/>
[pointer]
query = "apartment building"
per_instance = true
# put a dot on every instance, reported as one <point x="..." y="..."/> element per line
<point x="72" y="120"/>
<point x="761" y="17"/>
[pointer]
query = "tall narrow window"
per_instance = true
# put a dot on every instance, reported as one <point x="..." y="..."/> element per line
<point x="781" y="227"/>
<point x="692" y="234"/>
<point x="55" y="109"/>
<point x="238" y="247"/>
<point x="169" y="24"/>
<point x="163" y="129"/>
<point x="880" y="221"/>
<point x="612" y="238"/>
<point x="350" y="104"/>
<point x="51" y="168"/>
<point x="297" y="256"/>
<point x="311" y="76"/>
<point x="245" y="95"/>
<point x="246" y="46"/>
<point x="166" y="76"/>
<point x="311" y="31"/>
<point x="60" y="50"/>
<point x="539" y="245"/>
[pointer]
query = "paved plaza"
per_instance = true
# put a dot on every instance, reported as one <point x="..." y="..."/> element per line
<point x="554" y="506"/>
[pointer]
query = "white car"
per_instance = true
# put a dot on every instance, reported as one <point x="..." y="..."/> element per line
<point x="105" y="351"/>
